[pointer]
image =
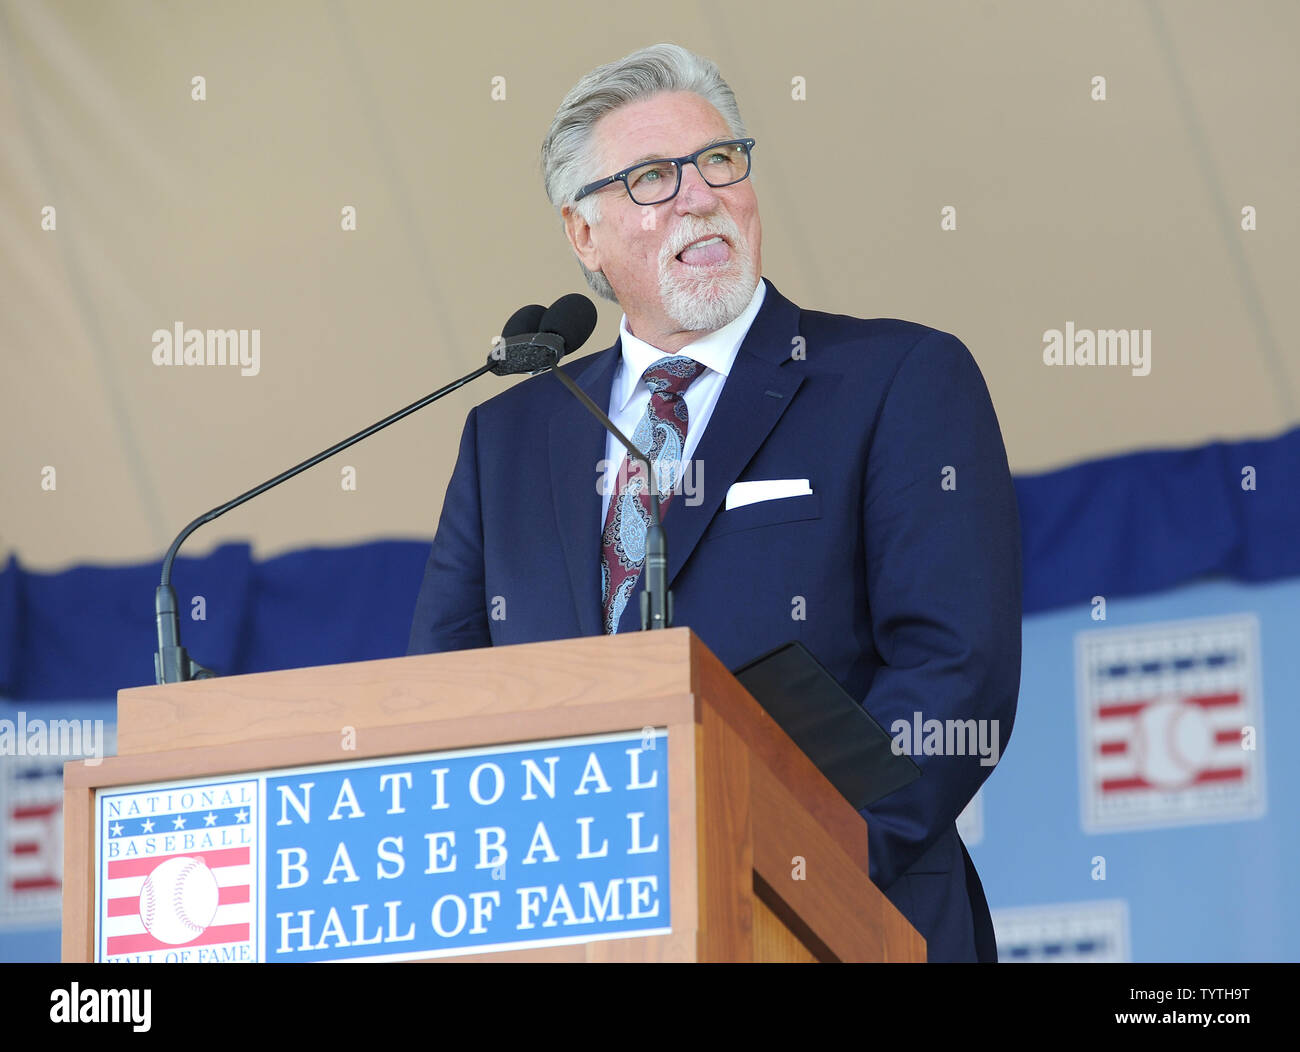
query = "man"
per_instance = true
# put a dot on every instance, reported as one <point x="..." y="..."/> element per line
<point x="885" y="534"/>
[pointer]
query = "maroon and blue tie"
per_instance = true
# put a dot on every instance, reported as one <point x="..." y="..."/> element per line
<point x="661" y="435"/>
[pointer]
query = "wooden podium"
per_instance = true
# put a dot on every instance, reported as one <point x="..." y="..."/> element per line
<point x="766" y="861"/>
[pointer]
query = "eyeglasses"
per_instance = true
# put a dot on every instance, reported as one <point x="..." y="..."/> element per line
<point x="654" y="182"/>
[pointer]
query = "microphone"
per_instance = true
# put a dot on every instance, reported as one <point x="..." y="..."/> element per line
<point x="520" y="348"/>
<point x="536" y="338"/>
<point x="571" y="319"/>
<point x="524" y="320"/>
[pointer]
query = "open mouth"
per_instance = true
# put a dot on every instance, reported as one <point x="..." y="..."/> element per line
<point x="706" y="252"/>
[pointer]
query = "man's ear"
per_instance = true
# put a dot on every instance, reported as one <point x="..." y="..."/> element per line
<point x="581" y="238"/>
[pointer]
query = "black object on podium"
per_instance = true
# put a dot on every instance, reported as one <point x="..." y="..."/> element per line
<point x="848" y="746"/>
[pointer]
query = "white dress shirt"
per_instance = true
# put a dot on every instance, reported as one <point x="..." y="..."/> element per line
<point x="629" y="397"/>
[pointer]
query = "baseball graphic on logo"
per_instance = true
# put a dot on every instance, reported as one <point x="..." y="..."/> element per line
<point x="179" y="900"/>
<point x="1173" y="743"/>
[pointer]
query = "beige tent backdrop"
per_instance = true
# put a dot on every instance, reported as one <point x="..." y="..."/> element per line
<point x="357" y="187"/>
<point x="135" y="197"/>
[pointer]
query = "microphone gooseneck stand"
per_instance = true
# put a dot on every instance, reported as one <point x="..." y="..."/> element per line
<point x="533" y="341"/>
<point x="656" y="600"/>
<point x="172" y="663"/>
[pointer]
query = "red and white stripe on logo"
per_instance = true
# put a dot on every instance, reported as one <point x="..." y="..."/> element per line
<point x="1170" y="742"/>
<point x="31" y="829"/>
<point x="124" y="930"/>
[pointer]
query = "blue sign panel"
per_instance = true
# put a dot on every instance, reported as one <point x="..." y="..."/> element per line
<point x="451" y="853"/>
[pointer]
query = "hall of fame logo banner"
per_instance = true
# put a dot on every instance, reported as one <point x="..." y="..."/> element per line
<point x="432" y="855"/>
<point x="31" y="803"/>
<point x="1170" y="724"/>
<point x="177" y="869"/>
<point x="1069" y="933"/>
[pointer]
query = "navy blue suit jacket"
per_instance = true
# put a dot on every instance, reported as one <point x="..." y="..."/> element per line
<point x="911" y="591"/>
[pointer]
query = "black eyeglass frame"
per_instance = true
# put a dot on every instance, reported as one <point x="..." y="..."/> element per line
<point x="679" y="163"/>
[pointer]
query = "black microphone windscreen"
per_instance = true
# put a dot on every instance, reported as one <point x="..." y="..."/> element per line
<point x="524" y="321"/>
<point x="571" y="317"/>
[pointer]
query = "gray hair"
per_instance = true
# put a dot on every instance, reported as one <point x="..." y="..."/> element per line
<point x="568" y="151"/>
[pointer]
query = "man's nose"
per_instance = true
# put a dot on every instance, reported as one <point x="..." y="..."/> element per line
<point x="695" y="195"/>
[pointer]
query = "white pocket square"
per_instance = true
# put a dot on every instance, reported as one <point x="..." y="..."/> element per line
<point x="743" y="493"/>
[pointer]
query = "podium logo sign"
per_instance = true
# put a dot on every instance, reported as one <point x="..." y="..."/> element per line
<point x="440" y="854"/>
<point x="1169" y="722"/>
<point x="177" y="868"/>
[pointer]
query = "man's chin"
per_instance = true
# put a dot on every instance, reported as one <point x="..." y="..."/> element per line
<point x="705" y="301"/>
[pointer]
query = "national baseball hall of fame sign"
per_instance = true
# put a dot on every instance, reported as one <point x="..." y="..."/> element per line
<point x="437" y="854"/>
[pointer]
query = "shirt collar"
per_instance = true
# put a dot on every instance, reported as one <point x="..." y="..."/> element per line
<point x="716" y="350"/>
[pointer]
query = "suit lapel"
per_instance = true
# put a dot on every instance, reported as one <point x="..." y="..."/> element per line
<point x="577" y="445"/>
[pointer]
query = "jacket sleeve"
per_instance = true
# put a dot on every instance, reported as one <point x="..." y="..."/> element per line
<point x="451" y="610"/>
<point x="942" y="542"/>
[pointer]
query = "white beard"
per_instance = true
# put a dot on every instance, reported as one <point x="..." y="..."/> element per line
<point x="715" y="298"/>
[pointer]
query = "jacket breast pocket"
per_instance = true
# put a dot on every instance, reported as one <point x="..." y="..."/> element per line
<point x="765" y="513"/>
